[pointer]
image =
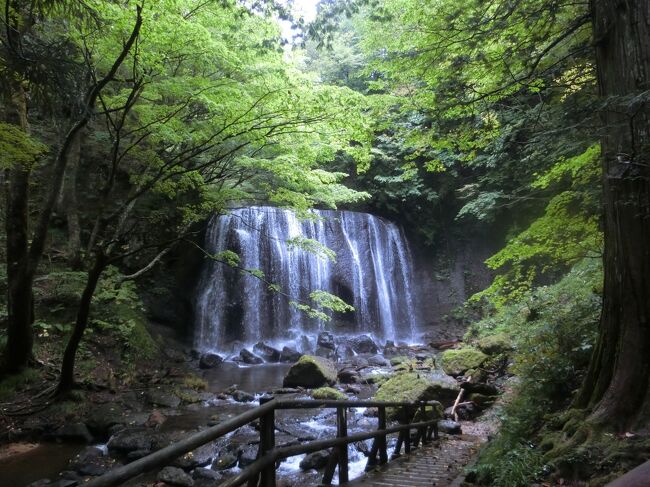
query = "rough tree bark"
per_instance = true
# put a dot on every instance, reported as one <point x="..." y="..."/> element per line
<point x="19" y="290"/>
<point x="66" y="379"/>
<point x="617" y="381"/>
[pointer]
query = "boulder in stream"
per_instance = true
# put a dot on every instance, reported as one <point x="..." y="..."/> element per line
<point x="209" y="360"/>
<point x="250" y="358"/>
<point x="175" y="476"/>
<point x="310" y="371"/>
<point x="315" y="460"/>
<point x="364" y="344"/>
<point x="266" y="352"/>
<point x="242" y="396"/>
<point x="326" y="340"/>
<point x="290" y="355"/>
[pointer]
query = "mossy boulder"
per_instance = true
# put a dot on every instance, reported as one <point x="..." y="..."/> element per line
<point x="413" y="387"/>
<point x="327" y="393"/>
<point x="456" y="362"/>
<point x="311" y="371"/>
<point x="495" y="344"/>
<point x="395" y="361"/>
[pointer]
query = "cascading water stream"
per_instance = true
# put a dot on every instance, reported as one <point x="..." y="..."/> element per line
<point x="372" y="272"/>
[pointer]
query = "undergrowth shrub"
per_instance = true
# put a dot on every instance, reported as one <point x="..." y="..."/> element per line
<point x="553" y="330"/>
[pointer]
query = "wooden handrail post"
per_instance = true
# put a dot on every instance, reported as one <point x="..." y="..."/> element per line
<point x="342" y="432"/>
<point x="267" y="443"/>
<point x="423" y="430"/>
<point x="381" y="441"/>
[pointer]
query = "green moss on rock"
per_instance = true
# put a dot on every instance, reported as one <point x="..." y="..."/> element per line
<point x="456" y="362"/>
<point x="395" y="361"/>
<point x="495" y="344"/>
<point x="327" y="393"/>
<point x="413" y="387"/>
<point x="311" y="371"/>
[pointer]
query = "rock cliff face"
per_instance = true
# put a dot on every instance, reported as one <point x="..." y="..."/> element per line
<point x="446" y="277"/>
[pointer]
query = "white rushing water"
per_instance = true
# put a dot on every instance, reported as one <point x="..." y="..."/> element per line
<point x="372" y="272"/>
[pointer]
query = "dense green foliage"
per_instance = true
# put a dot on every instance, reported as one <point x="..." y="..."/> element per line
<point x="553" y="329"/>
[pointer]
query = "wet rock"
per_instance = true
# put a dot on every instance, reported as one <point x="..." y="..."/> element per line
<point x="327" y="393"/>
<point x="378" y="361"/>
<point x="102" y="417"/>
<point x="247" y="455"/>
<point x="350" y="389"/>
<point x="130" y="439"/>
<point x="456" y="362"/>
<point x="450" y="427"/>
<point x="248" y="357"/>
<point x="242" y="396"/>
<point x="390" y="350"/>
<point x="325" y="353"/>
<point x="285" y="390"/>
<point x="290" y="355"/>
<point x="315" y="460"/>
<point x="200" y="457"/>
<point x="225" y="461"/>
<point x="421" y="357"/>
<point x="266" y="352"/>
<point x="363" y="344"/>
<point x="155" y="419"/>
<point x="91" y="461"/>
<point x="201" y="473"/>
<point x="359" y="361"/>
<point x="163" y="399"/>
<point x="326" y="340"/>
<point x="210" y="360"/>
<point x="310" y="371"/>
<point x="175" y="476"/>
<point x="73" y="432"/>
<point x="346" y="352"/>
<point x="349" y="375"/>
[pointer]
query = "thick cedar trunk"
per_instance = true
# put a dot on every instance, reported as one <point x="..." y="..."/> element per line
<point x="618" y="377"/>
<point x="66" y="380"/>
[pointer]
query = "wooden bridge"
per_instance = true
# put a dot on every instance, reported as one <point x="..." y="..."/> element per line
<point x="429" y="465"/>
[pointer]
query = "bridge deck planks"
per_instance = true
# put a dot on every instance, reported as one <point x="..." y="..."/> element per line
<point x="439" y="464"/>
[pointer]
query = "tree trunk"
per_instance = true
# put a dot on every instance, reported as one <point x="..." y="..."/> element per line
<point x="69" y="206"/>
<point x="618" y="378"/>
<point x="19" y="278"/>
<point x="66" y="381"/>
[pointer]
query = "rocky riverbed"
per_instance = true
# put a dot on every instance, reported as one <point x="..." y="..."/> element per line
<point x="121" y="427"/>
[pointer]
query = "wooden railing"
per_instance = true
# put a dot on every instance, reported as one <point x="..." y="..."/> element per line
<point x="262" y="472"/>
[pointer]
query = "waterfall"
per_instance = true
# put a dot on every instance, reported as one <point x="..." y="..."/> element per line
<point x="372" y="272"/>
